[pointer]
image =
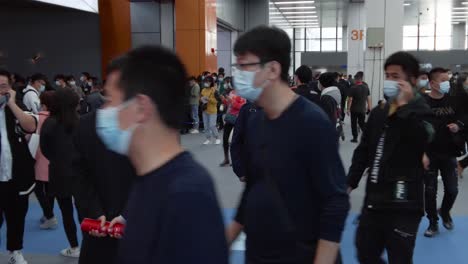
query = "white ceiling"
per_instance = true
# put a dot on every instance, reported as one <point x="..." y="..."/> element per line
<point x="85" y="5"/>
<point x="330" y="13"/>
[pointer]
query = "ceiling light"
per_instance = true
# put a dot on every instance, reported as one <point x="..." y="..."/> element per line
<point x="293" y="12"/>
<point x="464" y="3"/>
<point x="406" y="4"/>
<point x="292" y="17"/>
<point x="296" y="7"/>
<point x="460" y="8"/>
<point x="292" y="2"/>
<point x="455" y="23"/>
<point x="85" y="5"/>
<point x="460" y="13"/>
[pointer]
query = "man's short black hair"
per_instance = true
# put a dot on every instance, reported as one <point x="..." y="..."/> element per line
<point x="7" y="74"/>
<point x="269" y="44"/>
<point x="158" y="73"/>
<point x="328" y="79"/>
<point x="421" y="73"/>
<point x="70" y="78"/>
<point x="38" y="77"/>
<point x="304" y="74"/>
<point x="86" y="74"/>
<point x="59" y="77"/>
<point x="359" y="75"/>
<point x="406" y="61"/>
<point x="221" y="70"/>
<point x="435" y="72"/>
<point x="116" y="64"/>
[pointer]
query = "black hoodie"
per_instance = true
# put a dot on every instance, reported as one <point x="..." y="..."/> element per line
<point x="392" y="148"/>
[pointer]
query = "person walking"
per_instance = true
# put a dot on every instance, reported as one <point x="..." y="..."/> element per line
<point x="359" y="103"/>
<point x="46" y="201"/>
<point x="234" y="104"/>
<point x="57" y="146"/>
<point x="209" y="100"/>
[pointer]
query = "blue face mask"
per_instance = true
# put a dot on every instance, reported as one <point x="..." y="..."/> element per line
<point x="109" y="131"/>
<point x="423" y="83"/>
<point x="444" y="87"/>
<point x="42" y="89"/>
<point x="391" y="89"/>
<point x="244" y="85"/>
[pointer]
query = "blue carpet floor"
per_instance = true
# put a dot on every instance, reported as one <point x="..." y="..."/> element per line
<point x="448" y="247"/>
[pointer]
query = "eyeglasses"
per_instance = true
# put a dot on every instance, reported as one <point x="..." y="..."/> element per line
<point x="239" y="66"/>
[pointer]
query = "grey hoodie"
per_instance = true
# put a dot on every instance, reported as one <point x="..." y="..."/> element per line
<point x="334" y="92"/>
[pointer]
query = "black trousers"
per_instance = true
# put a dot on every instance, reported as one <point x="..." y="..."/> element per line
<point x="46" y="201"/>
<point x="343" y="108"/>
<point x="393" y="231"/>
<point x="357" y="118"/>
<point x="14" y="207"/>
<point x="448" y="171"/>
<point x="228" y="127"/>
<point x="66" y="207"/>
<point x="98" y="250"/>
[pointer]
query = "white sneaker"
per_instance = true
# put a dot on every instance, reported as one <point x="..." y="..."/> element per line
<point x="194" y="131"/>
<point x="218" y="142"/>
<point x="16" y="257"/>
<point x="207" y="142"/>
<point x="49" y="224"/>
<point x="71" y="252"/>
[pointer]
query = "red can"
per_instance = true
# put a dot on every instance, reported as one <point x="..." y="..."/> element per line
<point x="89" y="225"/>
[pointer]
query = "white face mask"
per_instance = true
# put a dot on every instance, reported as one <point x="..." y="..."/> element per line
<point x="445" y="87"/>
<point x="423" y="83"/>
<point x="72" y="83"/>
<point x="244" y="85"/>
<point x="82" y="78"/>
<point x="57" y="83"/>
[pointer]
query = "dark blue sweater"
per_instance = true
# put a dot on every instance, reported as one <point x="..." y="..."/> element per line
<point x="302" y="158"/>
<point x="173" y="217"/>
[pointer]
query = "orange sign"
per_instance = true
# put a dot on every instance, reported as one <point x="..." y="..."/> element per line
<point x="357" y="34"/>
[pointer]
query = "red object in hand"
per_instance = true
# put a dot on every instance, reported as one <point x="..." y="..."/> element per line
<point x="89" y="225"/>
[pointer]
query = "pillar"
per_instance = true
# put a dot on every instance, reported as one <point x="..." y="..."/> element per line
<point x="355" y="37"/>
<point x="114" y="22"/>
<point x="459" y="36"/>
<point x="344" y="38"/>
<point x="195" y="27"/>
<point x="384" y="36"/>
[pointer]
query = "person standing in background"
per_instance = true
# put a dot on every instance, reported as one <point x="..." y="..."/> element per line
<point x="423" y="82"/>
<point x="303" y="78"/>
<point x="85" y="80"/>
<point x="209" y="100"/>
<point x="57" y="146"/>
<point x="59" y="81"/>
<point x="46" y="201"/>
<point x="72" y="84"/>
<point x="95" y="99"/>
<point x="194" y="104"/>
<point x="32" y="91"/>
<point x="359" y="103"/>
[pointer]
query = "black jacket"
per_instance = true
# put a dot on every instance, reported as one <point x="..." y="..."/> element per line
<point x="406" y="138"/>
<point x="308" y="92"/>
<point x="23" y="162"/>
<point x="57" y="146"/>
<point x="102" y="178"/>
<point x="94" y="101"/>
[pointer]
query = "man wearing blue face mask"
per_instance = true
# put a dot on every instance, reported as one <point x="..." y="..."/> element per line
<point x="172" y="202"/>
<point x="423" y="82"/>
<point x="392" y="151"/>
<point x="295" y="203"/>
<point x="31" y="93"/>
<point x="442" y="152"/>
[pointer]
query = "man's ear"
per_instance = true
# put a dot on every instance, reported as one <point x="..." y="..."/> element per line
<point x="274" y="70"/>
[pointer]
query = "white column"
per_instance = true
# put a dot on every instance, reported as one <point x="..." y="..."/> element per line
<point x="344" y="38"/>
<point x="385" y="30"/>
<point x="355" y="37"/>
<point x="458" y="36"/>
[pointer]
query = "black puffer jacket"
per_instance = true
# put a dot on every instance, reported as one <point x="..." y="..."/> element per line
<point x="405" y="136"/>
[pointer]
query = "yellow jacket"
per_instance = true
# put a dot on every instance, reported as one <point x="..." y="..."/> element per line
<point x="212" y="102"/>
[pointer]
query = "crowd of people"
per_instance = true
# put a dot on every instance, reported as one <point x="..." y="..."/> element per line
<point x="113" y="152"/>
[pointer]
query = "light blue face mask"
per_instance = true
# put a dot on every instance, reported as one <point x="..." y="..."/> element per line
<point x="244" y="85"/>
<point x="444" y="87"/>
<point x="42" y="89"/>
<point x="423" y="83"/>
<point x="391" y="89"/>
<point x="109" y="131"/>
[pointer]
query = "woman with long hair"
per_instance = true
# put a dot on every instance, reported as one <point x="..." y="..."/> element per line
<point x="209" y="101"/>
<point x="57" y="146"/>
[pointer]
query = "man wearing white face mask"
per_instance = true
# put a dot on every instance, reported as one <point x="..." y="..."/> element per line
<point x="392" y="151"/>
<point x="173" y="202"/>
<point x="32" y="91"/>
<point x="442" y="152"/>
<point x="295" y="202"/>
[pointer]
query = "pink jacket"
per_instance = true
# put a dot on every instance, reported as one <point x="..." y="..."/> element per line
<point x="42" y="164"/>
<point x="234" y="103"/>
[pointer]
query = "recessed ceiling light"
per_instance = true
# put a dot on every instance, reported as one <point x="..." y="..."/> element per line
<point x="297" y="7"/>
<point x="464" y="3"/>
<point x="455" y="23"/>
<point x="292" y="17"/>
<point x="292" y="2"/>
<point x="460" y="8"/>
<point x="459" y="13"/>
<point x="406" y="4"/>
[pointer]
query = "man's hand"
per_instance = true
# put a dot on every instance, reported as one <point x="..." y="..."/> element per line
<point x="426" y="161"/>
<point x="102" y="232"/>
<point x="118" y="220"/>
<point x="349" y="190"/>
<point x="454" y="128"/>
<point x="406" y="93"/>
<point x="12" y="99"/>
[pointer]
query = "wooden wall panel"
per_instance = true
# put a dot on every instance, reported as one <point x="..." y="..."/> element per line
<point x="116" y="39"/>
